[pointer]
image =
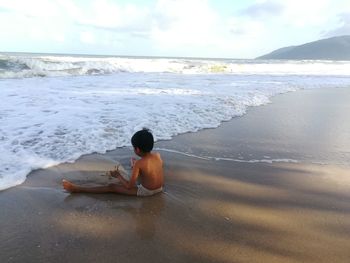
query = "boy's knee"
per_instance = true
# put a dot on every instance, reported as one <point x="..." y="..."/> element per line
<point x="117" y="188"/>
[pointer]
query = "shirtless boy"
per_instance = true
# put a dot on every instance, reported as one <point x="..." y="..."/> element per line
<point x="149" y="169"/>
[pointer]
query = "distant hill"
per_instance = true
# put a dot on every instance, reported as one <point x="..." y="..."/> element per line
<point x="335" y="48"/>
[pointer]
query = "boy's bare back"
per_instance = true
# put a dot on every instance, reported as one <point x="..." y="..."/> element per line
<point x="150" y="170"/>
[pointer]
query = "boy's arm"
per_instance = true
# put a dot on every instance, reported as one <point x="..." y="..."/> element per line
<point x="134" y="174"/>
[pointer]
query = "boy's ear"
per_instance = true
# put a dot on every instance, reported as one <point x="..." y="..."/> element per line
<point x="137" y="150"/>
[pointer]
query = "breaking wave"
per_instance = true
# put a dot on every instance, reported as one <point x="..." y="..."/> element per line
<point x="24" y="66"/>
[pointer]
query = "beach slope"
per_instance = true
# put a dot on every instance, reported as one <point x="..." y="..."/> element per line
<point x="271" y="186"/>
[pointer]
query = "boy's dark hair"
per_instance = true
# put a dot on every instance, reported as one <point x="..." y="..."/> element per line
<point x="143" y="140"/>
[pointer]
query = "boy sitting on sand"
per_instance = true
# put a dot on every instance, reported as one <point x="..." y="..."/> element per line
<point x="149" y="168"/>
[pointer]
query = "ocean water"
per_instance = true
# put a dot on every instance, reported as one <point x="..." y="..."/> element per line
<point x="55" y="108"/>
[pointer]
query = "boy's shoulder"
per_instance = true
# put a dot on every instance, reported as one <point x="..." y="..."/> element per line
<point x="156" y="154"/>
<point x="153" y="156"/>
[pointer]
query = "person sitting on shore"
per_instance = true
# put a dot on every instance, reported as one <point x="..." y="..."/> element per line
<point x="149" y="169"/>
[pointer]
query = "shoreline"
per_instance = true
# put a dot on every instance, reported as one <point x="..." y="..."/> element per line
<point x="213" y="210"/>
<point x="250" y="110"/>
<point x="307" y="126"/>
<point x="160" y="141"/>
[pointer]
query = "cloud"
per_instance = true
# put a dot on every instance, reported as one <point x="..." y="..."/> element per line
<point x="173" y="27"/>
<point x="263" y="9"/>
<point x="87" y="37"/>
<point x="294" y="13"/>
<point x="304" y="20"/>
<point x="180" y="27"/>
<point x="104" y="14"/>
<point x="343" y="29"/>
<point x="246" y="28"/>
<point x="58" y="37"/>
<point x="4" y="10"/>
<point x="185" y="24"/>
<point x="34" y="8"/>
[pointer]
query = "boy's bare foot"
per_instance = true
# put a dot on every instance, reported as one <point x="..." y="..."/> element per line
<point x="68" y="186"/>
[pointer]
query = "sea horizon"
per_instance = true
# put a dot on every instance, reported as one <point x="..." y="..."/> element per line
<point x="118" y="56"/>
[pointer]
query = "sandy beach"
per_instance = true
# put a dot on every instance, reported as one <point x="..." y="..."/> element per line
<point x="270" y="186"/>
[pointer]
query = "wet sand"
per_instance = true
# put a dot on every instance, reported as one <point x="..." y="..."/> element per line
<point x="226" y="200"/>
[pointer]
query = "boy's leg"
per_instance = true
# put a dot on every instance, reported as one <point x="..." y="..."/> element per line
<point x="111" y="188"/>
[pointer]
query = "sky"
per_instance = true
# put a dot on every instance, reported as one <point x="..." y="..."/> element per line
<point x="175" y="28"/>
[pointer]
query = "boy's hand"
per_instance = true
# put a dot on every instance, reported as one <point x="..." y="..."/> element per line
<point x="115" y="173"/>
<point x="132" y="162"/>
